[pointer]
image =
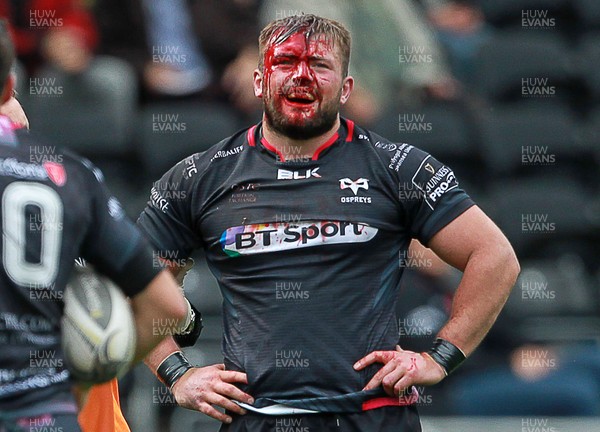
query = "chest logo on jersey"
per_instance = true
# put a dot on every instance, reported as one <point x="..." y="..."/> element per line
<point x="354" y="186"/>
<point x="275" y="237"/>
<point x="297" y="175"/>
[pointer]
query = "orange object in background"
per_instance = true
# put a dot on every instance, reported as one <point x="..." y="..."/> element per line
<point x="102" y="410"/>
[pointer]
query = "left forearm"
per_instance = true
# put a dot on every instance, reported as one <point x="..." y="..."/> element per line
<point x="481" y="294"/>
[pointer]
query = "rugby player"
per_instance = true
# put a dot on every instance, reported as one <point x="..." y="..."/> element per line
<point x="309" y="199"/>
<point x="56" y="208"/>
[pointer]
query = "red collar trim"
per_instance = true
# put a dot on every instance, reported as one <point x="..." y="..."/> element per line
<point x="327" y="143"/>
<point x="350" y="135"/>
<point x="250" y="136"/>
<point x="269" y="147"/>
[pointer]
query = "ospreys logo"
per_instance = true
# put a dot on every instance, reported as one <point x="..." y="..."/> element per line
<point x="354" y="186"/>
<point x="274" y="237"/>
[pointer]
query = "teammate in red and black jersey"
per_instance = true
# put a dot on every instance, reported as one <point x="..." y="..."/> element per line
<point x="54" y="208"/>
<point x="303" y="219"/>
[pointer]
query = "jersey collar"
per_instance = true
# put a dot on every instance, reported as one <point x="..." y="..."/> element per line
<point x="345" y="133"/>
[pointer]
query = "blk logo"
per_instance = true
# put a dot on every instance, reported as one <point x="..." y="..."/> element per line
<point x="354" y="185"/>
<point x="297" y="175"/>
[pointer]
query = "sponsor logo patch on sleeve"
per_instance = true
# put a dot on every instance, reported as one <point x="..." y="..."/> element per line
<point x="434" y="180"/>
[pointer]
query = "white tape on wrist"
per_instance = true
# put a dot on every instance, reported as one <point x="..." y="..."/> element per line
<point x="183" y="271"/>
<point x="190" y="317"/>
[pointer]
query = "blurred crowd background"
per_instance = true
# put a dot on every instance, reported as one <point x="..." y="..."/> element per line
<point x="506" y="92"/>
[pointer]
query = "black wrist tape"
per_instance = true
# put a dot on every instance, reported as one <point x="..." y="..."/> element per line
<point x="446" y="354"/>
<point x="192" y="335"/>
<point x="172" y="368"/>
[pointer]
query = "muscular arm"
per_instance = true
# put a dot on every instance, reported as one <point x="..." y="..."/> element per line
<point x="168" y="346"/>
<point x="474" y="244"/>
<point x="201" y="388"/>
<point x="161" y="301"/>
<point x="164" y="349"/>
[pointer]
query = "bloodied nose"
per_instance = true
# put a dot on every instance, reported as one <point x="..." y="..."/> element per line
<point x="301" y="71"/>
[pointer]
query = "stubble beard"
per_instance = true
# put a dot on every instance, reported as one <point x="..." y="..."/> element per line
<point x="322" y="121"/>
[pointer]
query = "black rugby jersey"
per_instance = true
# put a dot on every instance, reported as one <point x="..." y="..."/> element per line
<point x="54" y="208"/>
<point x="308" y="253"/>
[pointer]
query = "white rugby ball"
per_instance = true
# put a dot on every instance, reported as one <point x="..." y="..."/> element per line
<point x="98" y="329"/>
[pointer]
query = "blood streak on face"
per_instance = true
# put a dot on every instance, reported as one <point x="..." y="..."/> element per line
<point x="302" y="84"/>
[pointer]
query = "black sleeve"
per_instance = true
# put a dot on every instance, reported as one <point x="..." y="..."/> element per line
<point x="437" y="200"/>
<point x="168" y="219"/>
<point x="113" y="243"/>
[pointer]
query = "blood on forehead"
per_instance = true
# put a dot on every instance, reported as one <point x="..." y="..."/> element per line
<point x="308" y="31"/>
<point x="301" y="42"/>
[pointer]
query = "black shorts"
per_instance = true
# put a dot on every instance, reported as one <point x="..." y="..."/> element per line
<point x="44" y="422"/>
<point x="56" y="413"/>
<point x="386" y="419"/>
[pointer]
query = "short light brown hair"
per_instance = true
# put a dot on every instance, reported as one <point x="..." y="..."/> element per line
<point x="280" y="30"/>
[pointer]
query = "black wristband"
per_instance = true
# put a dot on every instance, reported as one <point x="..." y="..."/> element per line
<point x="192" y="335"/>
<point x="446" y="354"/>
<point x="172" y="368"/>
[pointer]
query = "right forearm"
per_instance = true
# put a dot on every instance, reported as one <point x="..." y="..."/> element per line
<point x="164" y="349"/>
<point x="168" y="363"/>
<point x="158" y="310"/>
<point x="190" y="329"/>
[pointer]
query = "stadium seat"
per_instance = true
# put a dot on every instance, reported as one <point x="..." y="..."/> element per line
<point x="550" y="317"/>
<point x="588" y="13"/>
<point x="526" y="139"/>
<point x="553" y="286"/>
<point x="443" y="129"/>
<point x="171" y="131"/>
<point x="93" y="113"/>
<point x="555" y="300"/>
<point x="123" y="180"/>
<point x="521" y="65"/>
<point x="589" y="53"/>
<point x="551" y="314"/>
<point x="537" y="212"/>
<point x="509" y="13"/>
<point x="591" y="134"/>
